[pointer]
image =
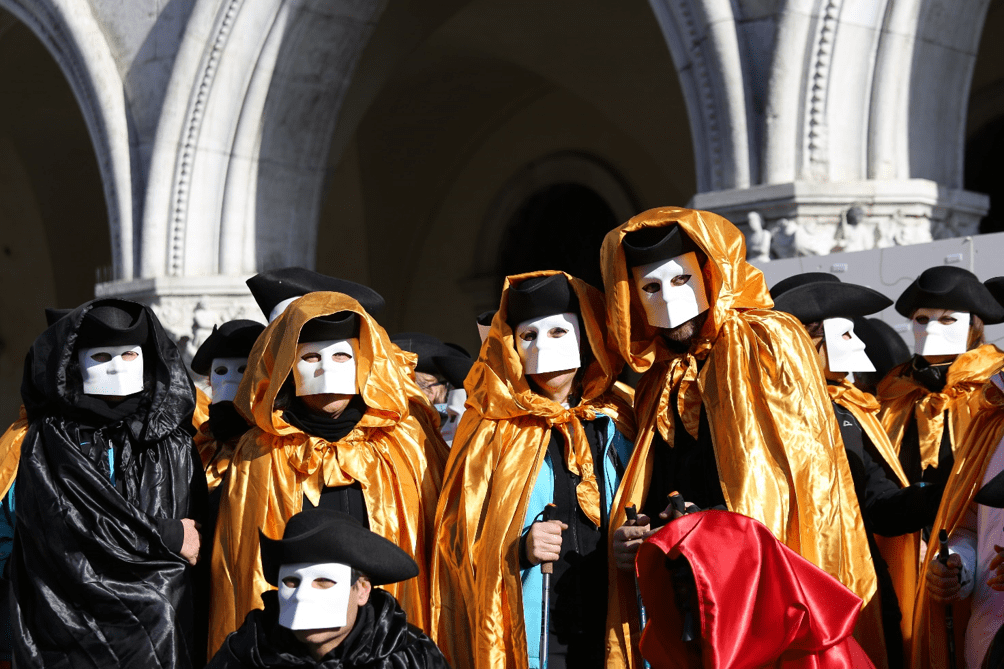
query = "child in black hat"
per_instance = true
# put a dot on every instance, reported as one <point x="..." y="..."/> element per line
<point x="327" y="612"/>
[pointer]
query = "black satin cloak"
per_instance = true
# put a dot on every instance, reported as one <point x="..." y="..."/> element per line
<point x="93" y="583"/>
<point x="380" y="639"/>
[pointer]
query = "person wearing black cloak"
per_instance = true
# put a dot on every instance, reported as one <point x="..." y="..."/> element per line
<point x="108" y="496"/>
<point x="327" y="612"/>
<point x="830" y="310"/>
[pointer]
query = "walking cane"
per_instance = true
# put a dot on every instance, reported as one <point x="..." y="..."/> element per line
<point x="632" y="516"/>
<point x="949" y="614"/>
<point x="546" y="568"/>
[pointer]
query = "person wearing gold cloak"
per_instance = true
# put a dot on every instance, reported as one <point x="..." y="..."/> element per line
<point x="732" y="406"/>
<point x="894" y="511"/>
<point x="968" y="584"/>
<point x="929" y="401"/>
<point x="545" y="423"/>
<point x="339" y="423"/>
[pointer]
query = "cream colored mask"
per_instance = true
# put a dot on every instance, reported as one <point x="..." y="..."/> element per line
<point x="549" y="344"/>
<point x="845" y="352"/>
<point x="326" y="367"/>
<point x="455" y="400"/>
<point x="225" y="376"/>
<point x="940" y="331"/>
<point x="112" y="370"/>
<point x="671" y="291"/>
<point x="314" y="596"/>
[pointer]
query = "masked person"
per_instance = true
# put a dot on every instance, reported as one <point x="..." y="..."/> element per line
<point x="721" y="591"/>
<point x="338" y="424"/>
<point x="327" y="612"/>
<point x="829" y="310"/>
<point x="440" y="373"/>
<point x="545" y="424"/>
<point x="929" y="402"/>
<point x="971" y="583"/>
<point x="108" y="492"/>
<point x="732" y="406"/>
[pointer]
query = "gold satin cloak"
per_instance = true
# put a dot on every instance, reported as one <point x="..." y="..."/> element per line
<point x="10" y="450"/>
<point x="777" y="445"/>
<point x="394" y="452"/>
<point x="902" y="398"/>
<point x="972" y="456"/>
<point x="497" y="455"/>
<point x="902" y="553"/>
<point x="215" y="456"/>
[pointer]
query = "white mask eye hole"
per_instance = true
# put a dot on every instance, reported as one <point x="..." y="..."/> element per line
<point x="221" y="370"/>
<point x="312" y="357"/>
<point x="922" y="320"/>
<point x="322" y="583"/>
<point x="129" y="356"/>
<point x="947" y="319"/>
<point x="101" y="357"/>
<point x="681" y="280"/>
<point x="557" y="333"/>
<point x="847" y="335"/>
<point x="341" y="357"/>
<point x="529" y="335"/>
<point x="652" y="287"/>
<point x="291" y="582"/>
<point x="240" y="370"/>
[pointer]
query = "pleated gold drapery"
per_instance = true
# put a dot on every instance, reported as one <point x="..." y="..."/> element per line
<point x="10" y="450"/>
<point x="777" y="446"/>
<point x="497" y="455"/>
<point x="395" y="453"/>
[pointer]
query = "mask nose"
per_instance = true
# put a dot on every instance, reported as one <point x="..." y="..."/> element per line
<point x="116" y="365"/>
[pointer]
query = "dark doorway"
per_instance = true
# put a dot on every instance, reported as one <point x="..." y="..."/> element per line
<point x="560" y="227"/>
<point x="985" y="171"/>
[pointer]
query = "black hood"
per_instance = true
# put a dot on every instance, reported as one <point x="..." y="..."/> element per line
<point x="53" y="385"/>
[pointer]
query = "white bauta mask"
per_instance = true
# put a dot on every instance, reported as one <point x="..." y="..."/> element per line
<point x="671" y="291"/>
<point x="225" y="377"/>
<point x="454" y="410"/>
<point x="112" y="370"/>
<point x="483" y="331"/>
<point x="845" y="352"/>
<point x="302" y="606"/>
<point x="549" y="344"/>
<point x="933" y="336"/>
<point x="326" y="367"/>
<point x="281" y="307"/>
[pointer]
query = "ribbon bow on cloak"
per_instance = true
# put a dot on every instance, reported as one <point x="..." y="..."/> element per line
<point x="902" y="397"/>
<point x="759" y="604"/>
<point x="903" y="552"/>
<point x="497" y="455"/>
<point x="777" y="445"/>
<point x="972" y="457"/>
<point x="395" y="453"/>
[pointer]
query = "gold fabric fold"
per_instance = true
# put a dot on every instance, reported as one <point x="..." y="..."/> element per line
<point x="902" y="397"/>
<point x="777" y="445"/>
<point x="215" y="456"/>
<point x="902" y="553"/>
<point x="395" y="453"/>
<point x="10" y="450"/>
<point x="498" y="452"/>
<point x="976" y="447"/>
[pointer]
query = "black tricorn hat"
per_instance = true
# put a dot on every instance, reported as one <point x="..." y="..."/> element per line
<point x="947" y="287"/>
<point x="52" y="315"/>
<point x="436" y="357"/>
<point x="114" y="322"/>
<point x="540" y="296"/>
<point x="233" y="339"/>
<point x="485" y="318"/>
<point x="992" y="494"/>
<point x="649" y="245"/>
<point x="815" y="296"/>
<point x="318" y="536"/>
<point x="272" y="287"/>
<point x="340" y="325"/>
<point x="885" y="347"/>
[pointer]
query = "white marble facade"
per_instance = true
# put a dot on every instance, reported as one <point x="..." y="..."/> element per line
<point x="839" y="123"/>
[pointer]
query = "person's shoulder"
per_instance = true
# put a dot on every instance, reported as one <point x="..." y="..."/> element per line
<point x="422" y="652"/>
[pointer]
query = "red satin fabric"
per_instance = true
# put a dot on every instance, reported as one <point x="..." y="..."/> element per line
<point x="761" y="604"/>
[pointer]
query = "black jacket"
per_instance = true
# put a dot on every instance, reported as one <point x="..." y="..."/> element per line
<point x="94" y="580"/>
<point x="380" y="639"/>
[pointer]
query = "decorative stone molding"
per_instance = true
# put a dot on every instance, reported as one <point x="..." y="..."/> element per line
<point x="816" y="132"/>
<point x="808" y="218"/>
<point x="189" y="307"/>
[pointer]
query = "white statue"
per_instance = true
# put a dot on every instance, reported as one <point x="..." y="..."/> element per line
<point x="758" y="241"/>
